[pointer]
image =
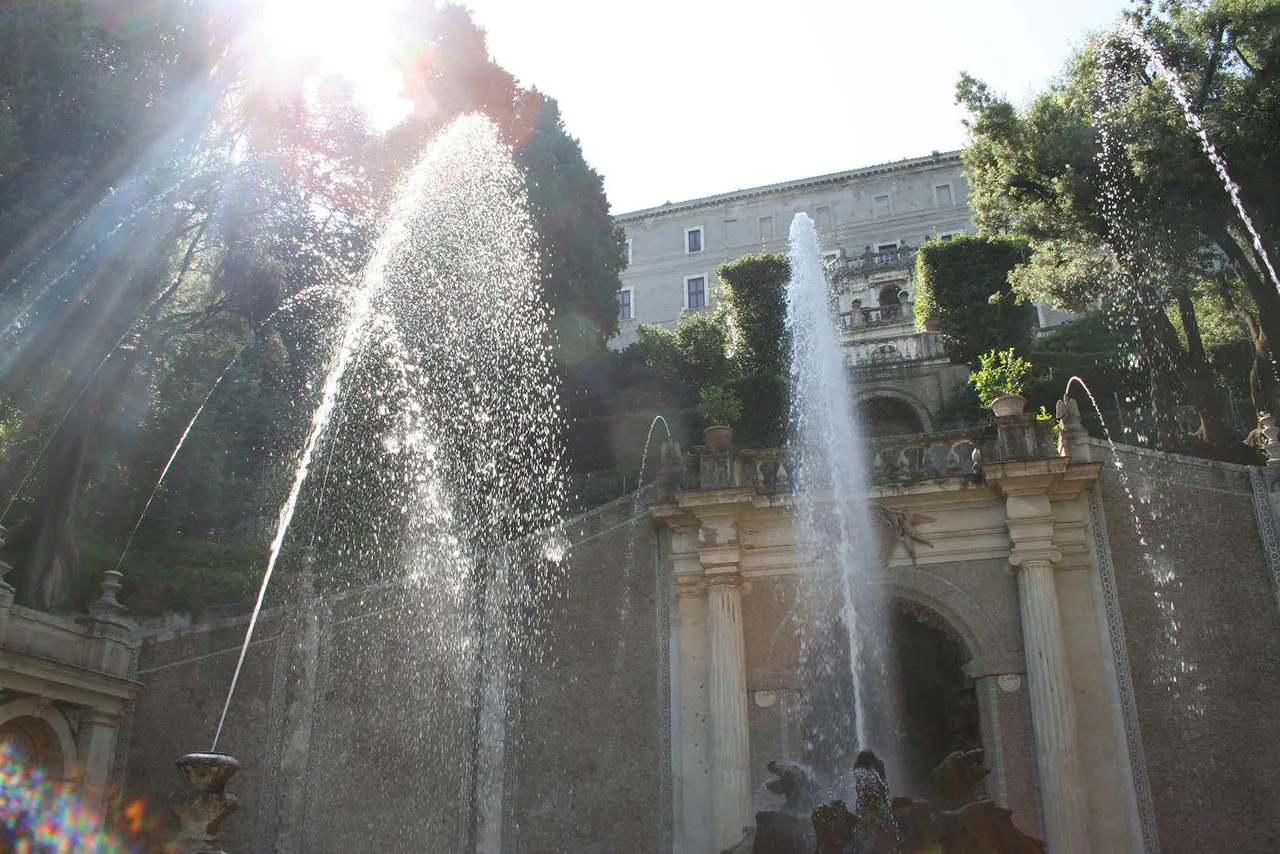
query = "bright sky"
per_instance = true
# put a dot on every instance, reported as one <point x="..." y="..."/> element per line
<point x="675" y="100"/>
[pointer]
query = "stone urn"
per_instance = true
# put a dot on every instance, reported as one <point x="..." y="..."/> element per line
<point x="718" y="435"/>
<point x="204" y="803"/>
<point x="932" y="324"/>
<point x="1008" y="404"/>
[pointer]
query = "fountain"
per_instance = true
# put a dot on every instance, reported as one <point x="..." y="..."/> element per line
<point x="830" y="483"/>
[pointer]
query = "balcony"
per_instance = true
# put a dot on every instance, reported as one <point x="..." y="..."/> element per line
<point x="848" y="267"/>
<point x="876" y="315"/>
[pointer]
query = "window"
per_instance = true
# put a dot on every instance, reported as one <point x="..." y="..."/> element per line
<point x="822" y="219"/>
<point x="945" y="237"/>
<point x="695" y="291"/>
<point x="882" y="206"/>
<point x="887" y="253"/>
<point x="766" y="228"/>
<point x="624" y="302"/>
<point x="943" y="196"/>
<point x="693" y="239"/>
<point x="627" y="253"/>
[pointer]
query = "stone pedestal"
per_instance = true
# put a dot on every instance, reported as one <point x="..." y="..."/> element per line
<point x="730" y="746"/>
<point x="205" y="803"/>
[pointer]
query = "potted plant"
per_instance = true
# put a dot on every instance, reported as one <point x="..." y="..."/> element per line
<point x="932" y="324"/>
<point x="720" y="409"/>
<point x="1000" y="380"/>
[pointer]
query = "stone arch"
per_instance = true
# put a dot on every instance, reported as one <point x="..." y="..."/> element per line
<point x="897" y="398"/>
<point x="961" y="616"/>
<point x="45" y="729"/>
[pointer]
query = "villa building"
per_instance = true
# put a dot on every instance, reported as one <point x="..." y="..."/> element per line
<point x="871" y="221"/>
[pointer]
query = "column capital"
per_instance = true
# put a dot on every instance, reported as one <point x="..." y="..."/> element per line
<point x="726" y="577"/>
<point x="1032" y="541"/>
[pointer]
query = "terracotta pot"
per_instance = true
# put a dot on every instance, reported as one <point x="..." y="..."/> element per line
<point x="718" y="435"/>
<point x="1008" y="404"/>
<point x="932" y="324"/>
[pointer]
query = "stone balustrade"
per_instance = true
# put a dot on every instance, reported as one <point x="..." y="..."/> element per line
<point x="892" y="459"/>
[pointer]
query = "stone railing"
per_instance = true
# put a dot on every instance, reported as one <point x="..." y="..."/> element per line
<point x="908" y="347"/>
<point x="876" y="315"/>
<point x="891" y="459"/>
<point x="849" y="266"/>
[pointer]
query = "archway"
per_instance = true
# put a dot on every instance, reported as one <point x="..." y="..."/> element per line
<point x="36" y="735"/>
<point x="933" y="703"/>
<point x="890" y="416"/>
<point x="32" y="744"/>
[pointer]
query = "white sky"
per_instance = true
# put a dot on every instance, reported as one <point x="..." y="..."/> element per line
<point x="675" y="100"/>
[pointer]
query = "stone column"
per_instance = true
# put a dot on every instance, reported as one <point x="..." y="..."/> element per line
<point x="96" y="744"/>
<point x="730" y="746"/>
<point x="1053" y="708"/>
<point x="693" y="781"/>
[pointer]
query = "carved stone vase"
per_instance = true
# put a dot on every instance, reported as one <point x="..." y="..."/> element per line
<point x="1008" y="404"/>
<point x="718" y="435"/>
<point x="204" y="803"/>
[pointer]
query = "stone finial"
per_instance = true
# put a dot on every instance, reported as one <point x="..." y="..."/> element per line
<point x="5" y="568"/>
<point x="1269" y="432"/>
<point x="106" y="609"/>
<point x="204" y="804"/>
<point x="668" y="481"/>
<point x="1071" y="432"/>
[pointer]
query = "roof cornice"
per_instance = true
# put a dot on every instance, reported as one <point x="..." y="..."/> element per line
<point x="942" y="158"/>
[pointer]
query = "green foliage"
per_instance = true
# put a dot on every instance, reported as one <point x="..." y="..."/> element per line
<point x="1036" y="172"/>
<point x="1000" y="372"/>
<point x="719" y="407"/>
<point x="691" y="356"/>
<point x="168" y="194"/>
<point x="755" y="294"/>
<point x="964" y="283"/>
<point x="765" y="409"/>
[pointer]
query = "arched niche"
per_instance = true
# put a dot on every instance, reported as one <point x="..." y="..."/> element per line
<point x="932" y="701"/>
<point x="38" y="736"/>
<point x="892" y="413"/>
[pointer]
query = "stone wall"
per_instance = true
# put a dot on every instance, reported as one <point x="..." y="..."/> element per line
<point x="593" y="773"/>
<point x="356" y="714"/>
<point x="1201" y="628"/>
<point x="186" y="672"/>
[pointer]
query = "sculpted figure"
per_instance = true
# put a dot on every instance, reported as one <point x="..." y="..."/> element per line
<point x="896" y="526"/>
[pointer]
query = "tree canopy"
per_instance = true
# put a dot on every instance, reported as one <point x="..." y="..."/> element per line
<point x="964" y="283"/>
<point x="1105" y="180"/>
<point x="170" y="212"/>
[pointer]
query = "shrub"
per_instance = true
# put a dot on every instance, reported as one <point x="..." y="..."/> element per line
<point x="719" y="407"/>
<point x="755" y="294"/>
<point x="964" y="283"/>
<point x="1000" y="372"/>
<point x="765" y="406"/>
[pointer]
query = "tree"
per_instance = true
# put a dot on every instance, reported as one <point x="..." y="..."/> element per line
<point x="1134" y="215"/>
<point x="964" y="283"/>
<point x="755" y="294"/>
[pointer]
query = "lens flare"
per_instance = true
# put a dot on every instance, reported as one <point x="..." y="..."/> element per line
<point x="41" y="816"/>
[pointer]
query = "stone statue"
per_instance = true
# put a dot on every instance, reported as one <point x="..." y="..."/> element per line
<point x="795" y="783"/>
<point x="955" y="782"/>
<point x="894" y="526"/>
<point x="880" y="825"/>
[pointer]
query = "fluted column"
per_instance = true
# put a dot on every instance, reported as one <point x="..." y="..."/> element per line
<point x="730" y="743"/>
<point x="1053" y="708"/>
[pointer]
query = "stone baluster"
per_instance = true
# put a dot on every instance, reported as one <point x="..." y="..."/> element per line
<point x="1053" y="710"/>
<point x="730" y="745"/>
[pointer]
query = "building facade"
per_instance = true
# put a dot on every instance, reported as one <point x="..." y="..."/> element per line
<point x="870" y="221"/>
